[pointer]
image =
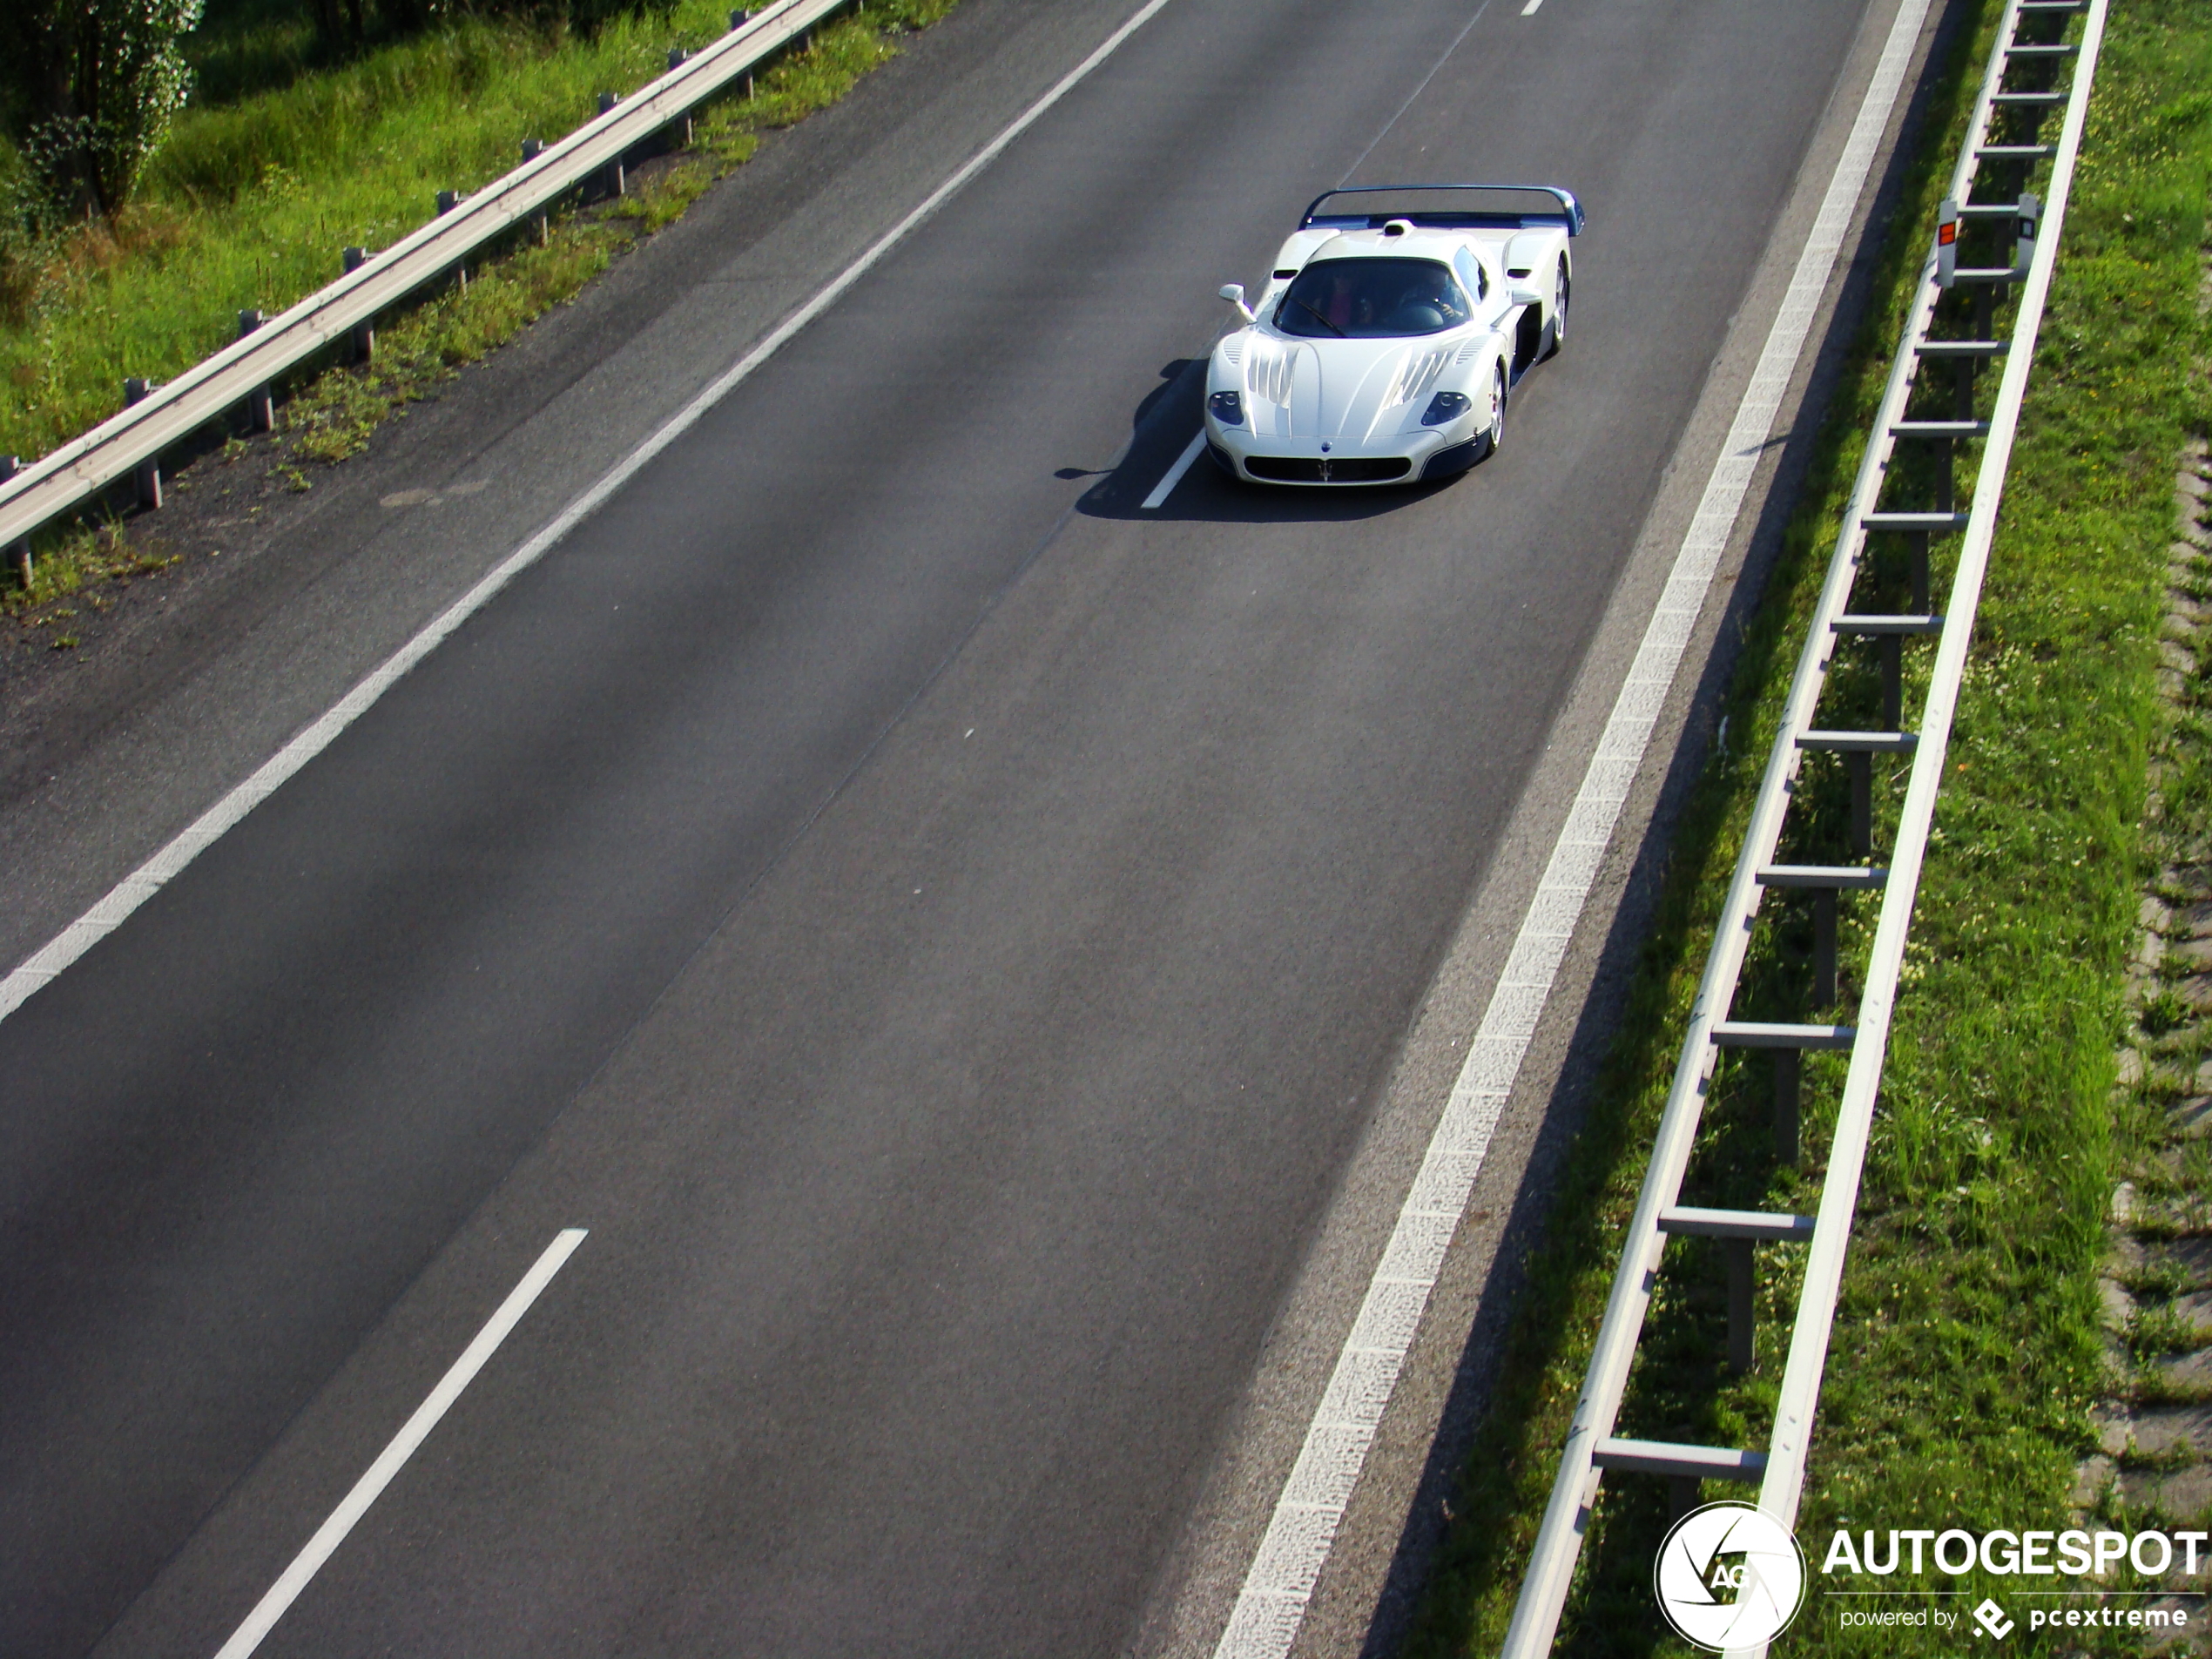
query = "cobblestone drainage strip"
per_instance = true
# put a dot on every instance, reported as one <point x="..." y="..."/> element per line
<point x="2154" y="1423"/>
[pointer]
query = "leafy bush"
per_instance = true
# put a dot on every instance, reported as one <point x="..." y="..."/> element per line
<point x="92" y="87"/>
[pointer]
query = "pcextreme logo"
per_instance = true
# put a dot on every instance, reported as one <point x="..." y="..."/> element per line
<point x="1729" y="1575"/>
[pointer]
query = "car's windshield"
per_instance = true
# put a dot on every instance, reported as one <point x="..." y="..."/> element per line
<point x="1367" y="299"/>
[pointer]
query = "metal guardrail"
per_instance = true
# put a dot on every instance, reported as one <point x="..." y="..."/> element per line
<point x="239" y="374"/>
<point x="2028" y="49"/>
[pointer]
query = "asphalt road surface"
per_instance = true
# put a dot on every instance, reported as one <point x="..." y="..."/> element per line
<point x="940" y="926"/>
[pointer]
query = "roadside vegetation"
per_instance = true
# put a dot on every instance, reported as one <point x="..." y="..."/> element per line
<point x="301" y="148"/>
<point x="1969" y="1347"/>
<point x="325" y="144"/>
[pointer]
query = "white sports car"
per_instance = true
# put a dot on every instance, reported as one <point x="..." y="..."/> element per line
<point x="1385" y="345"/>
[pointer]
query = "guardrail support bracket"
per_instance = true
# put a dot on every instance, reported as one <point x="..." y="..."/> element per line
<point x="448" y="200"/>
<point x="541" y="228"/>
<point x="20" y="552"/>
<point x="612" y="182"/>
<point x="261" y="406"/>
<point x="363" y="340"/>
<point x="679" y="130"/>
<point x="738" y="20"/>
<point x="148" y="477"/>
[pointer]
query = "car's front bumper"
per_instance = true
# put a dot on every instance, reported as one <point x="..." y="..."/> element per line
<point x="1400" y="458"/>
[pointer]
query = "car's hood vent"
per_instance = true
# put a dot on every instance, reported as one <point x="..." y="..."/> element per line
<point x="1352" y="389"/>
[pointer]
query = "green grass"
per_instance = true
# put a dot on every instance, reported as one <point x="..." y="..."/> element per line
<point x="250" y="202"/>
<point x="1968" y="1347"/>
<point x="333" y="412"/>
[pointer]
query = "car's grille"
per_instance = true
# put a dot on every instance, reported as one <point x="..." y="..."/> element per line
<point x="1328" y="469"/>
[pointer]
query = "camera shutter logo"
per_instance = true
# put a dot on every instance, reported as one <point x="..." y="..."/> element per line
<point x="1729" y="1575"/>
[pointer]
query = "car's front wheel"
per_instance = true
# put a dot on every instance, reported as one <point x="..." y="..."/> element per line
<point x="1560" y="290"/>
<point x="1494" y="431"/>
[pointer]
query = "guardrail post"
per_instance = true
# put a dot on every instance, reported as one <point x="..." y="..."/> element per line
<point x="1859" y="768"/>
<point x="541" y="228"/>
<point x="1824" y="946"/>
<point x="448" y="200"/>
<point x="364" y="335"/>
<point x="1741" y="1354"/>
<point x="612" y="183"/>
<point x="1962" y="396"/>
<point x="149" y="473"/>
<point x="20" y="552"/>
<point x="1946" y="482"/>
<point x="680" y="129"/>
<point x="261" y="409"/>
<point x="1789" y="1075"/>
<point x="738" y="20"/>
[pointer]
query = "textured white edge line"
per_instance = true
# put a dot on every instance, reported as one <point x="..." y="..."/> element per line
<point x="44" y="964"/>
<point x="355" y="1505"/>
<point x="1165" y="488"/>
<point x="1288" y="1563"/>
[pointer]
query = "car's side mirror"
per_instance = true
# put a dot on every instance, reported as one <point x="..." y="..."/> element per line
<point x="1234" y="293"/>
<point x="1522" y="294"/>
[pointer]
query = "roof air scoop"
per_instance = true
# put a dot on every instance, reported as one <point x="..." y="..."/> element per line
<point x="1397" y="226"/>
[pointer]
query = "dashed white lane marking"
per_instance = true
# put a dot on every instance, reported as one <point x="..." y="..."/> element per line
<point x="417" y="1428"/>
<point x="42" y="967"/>
<point x="1303" y="1528"/>
<point x="1165" y="488"/>
<point x="1529" y="11"/>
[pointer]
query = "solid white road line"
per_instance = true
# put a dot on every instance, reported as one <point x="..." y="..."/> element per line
<point x="105" y="917"/>
<point x="1303" y="1528"/>
<point x="332" y="1532"/>
<point x="1165" y="488"/>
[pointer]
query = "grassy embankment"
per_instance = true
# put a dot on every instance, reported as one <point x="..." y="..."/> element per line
<point x="1968" y="1344"/>
<point x="249" y="203"/>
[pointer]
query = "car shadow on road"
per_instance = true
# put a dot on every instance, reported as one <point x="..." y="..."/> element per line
<point x="1162" y="427"/>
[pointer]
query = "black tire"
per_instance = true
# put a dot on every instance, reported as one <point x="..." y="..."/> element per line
<point x="1562" y="289"/>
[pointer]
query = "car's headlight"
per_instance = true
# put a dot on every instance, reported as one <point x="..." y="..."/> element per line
<point x="1446" y="406"/>
<point x="1228" y="408"/>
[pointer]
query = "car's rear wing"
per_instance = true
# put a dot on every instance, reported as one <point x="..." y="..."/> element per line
<point x="1562" y="210"/>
